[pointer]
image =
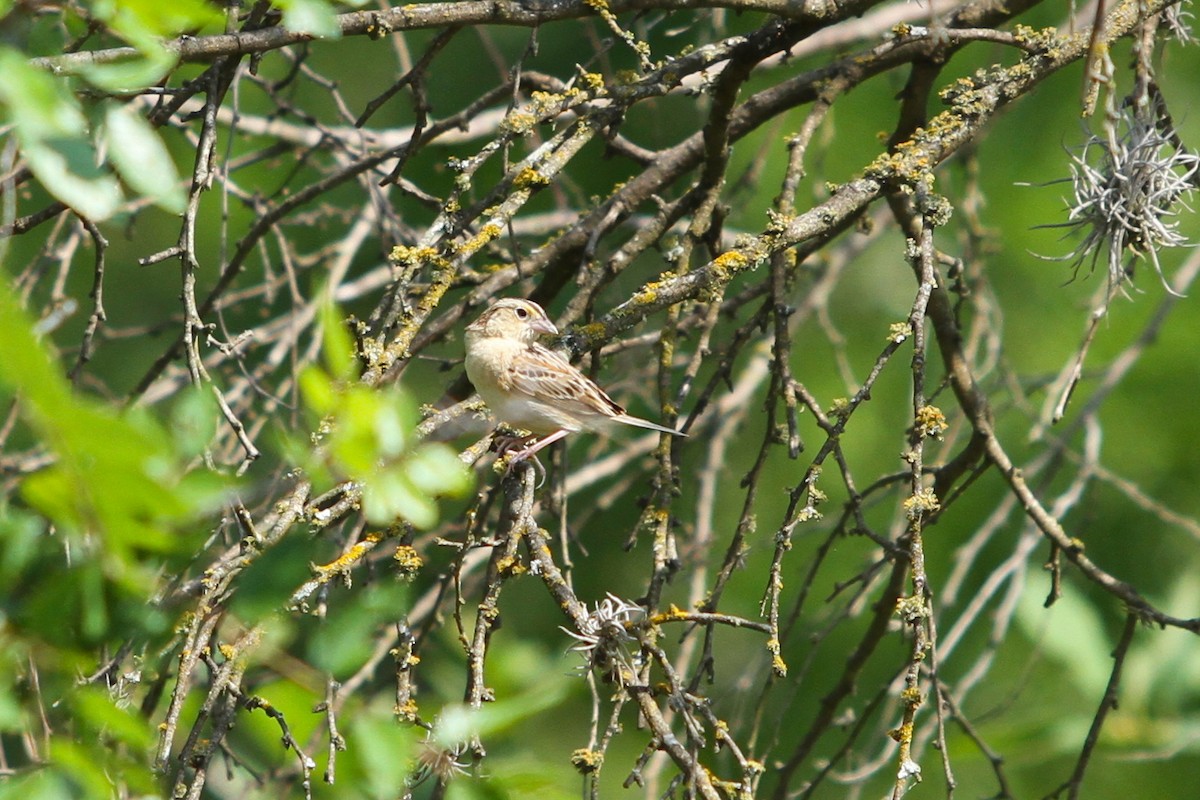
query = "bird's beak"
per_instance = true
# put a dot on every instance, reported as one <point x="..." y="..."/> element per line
<point x="545" y="326"/>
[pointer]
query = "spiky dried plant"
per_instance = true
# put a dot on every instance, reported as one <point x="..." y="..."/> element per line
<point x="603" y="635"/>
<point x="1129" y="189"/>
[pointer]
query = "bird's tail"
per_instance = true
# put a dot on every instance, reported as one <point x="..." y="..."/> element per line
<point x="629" y="419"/>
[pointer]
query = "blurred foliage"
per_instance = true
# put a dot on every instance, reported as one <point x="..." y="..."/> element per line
<point x="335" y="582"/>
<point x="368" y="436"/>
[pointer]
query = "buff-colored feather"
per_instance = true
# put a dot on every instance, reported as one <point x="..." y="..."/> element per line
<point x="529" y="386"/>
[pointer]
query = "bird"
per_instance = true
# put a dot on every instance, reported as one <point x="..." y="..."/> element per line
<point x="529" y="386"/>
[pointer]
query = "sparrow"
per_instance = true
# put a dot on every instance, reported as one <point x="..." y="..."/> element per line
<point x="529" y="386"/>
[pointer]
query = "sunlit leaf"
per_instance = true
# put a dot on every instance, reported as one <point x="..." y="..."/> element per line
<point x="96" y="708"/>
<point x="39" y="104"/>
<point x="144" y="69"/>
<point x="354" y="442"/>
<point x="10" y="710"/>
<point x="28" y="368"/>
<point x="44" y="784"/>
<point x="393" y="428"/>
<point x="346" y="638"/>
<point x="380" y="749"/>
<point x="315" y="17"/>
<point x="96" y="198"/>
<point x="115" y="475"/>
<point x="435" y="469"/>
<point x="53" y="135"/>
<point x="389" y="495"/>
<point x="134" y="19"/>
<point x="1072" y="633"/>
<point x="141" y="158"/>
<point x="19" y="534"/>
<point x="80" y="763"/>
<point x="194" y="421"/>
<point x="337" y="347"/>
<point x="317" y="390"/>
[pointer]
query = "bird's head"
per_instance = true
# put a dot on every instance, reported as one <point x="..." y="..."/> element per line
<point x="519" y="320"/>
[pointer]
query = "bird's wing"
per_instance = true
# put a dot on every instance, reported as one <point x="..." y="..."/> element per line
<point x="547" y="377"/>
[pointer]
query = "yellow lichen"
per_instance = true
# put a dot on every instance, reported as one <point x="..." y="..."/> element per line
<point x="779" y="666"/>
<point x="587" y="761"/>
<point x="921" y="503"/>
<point x="408" y="561"/>
<point x="899" y="331"/>
<point x="911" y="609"/>
<point x="529" y="177"/>
<point x="487" y="233"/>
<point x="518" y="122"/>
<point x="731" y="259"/>
<point x="407" y="711"/>
<point x="647" y="294"/>
<point x="412" y="256"/>
<point x="931" y="422"/>
<point x="808" y="514"/>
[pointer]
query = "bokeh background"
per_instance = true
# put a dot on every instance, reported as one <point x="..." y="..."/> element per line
<point x="1038" y="673"/>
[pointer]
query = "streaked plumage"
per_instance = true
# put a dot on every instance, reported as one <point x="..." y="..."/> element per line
<point x="529" y="386"/>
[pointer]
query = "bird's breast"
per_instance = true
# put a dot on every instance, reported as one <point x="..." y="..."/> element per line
<point x="489" y="365"/>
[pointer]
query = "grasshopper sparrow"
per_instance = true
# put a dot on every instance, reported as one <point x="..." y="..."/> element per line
<point x="530" y="386"/>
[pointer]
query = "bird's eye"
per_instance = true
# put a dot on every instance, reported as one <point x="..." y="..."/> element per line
<point x="523" y="313"/>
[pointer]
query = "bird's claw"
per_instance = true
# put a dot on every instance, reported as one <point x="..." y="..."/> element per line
<point x="523" y="457"/>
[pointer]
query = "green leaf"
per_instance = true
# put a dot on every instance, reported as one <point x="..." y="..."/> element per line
<point x="1071" y="632"/>
<point x="369" y="438"/>
<point x="117" y="476"/>
<point x="11" y="717"/>
<point x="389" y="495"/>
<point x="194" y="422"/>
<point x="141" y="158"/>
<point x="53" y="135"/>
<point x="395" y="419"/>
<point x="317" y="391"/>
<point x="346" y="637"/>
<point x="380" y="751"/>
<point x="314" y="17"/>
<point x="97" y="709"/>
<point x="27" y="367"/>
<point x="435" y="469"/>
<point x="20" y="533"/>
<point x="39" y="105"/>
<point x="338" y="349"/>
<point x="144" y="24"/>
<point x="96" y="198"/>
<point x="81" y="764"/>
<point x="354" y="443"/>
<point x="138" y="72"/>
<point x="137" y="20"/>
<point x="44" y="784"/>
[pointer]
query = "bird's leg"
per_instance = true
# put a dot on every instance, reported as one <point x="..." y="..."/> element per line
<point x="536" y="446"/>
<point x="534" y="462"/>
<point x="506" y="439"/>
<point x="539" y="444"/>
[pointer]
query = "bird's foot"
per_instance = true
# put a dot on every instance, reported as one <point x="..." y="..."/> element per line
<point x="526" y="455"/>
<point x="507" y="438"/>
